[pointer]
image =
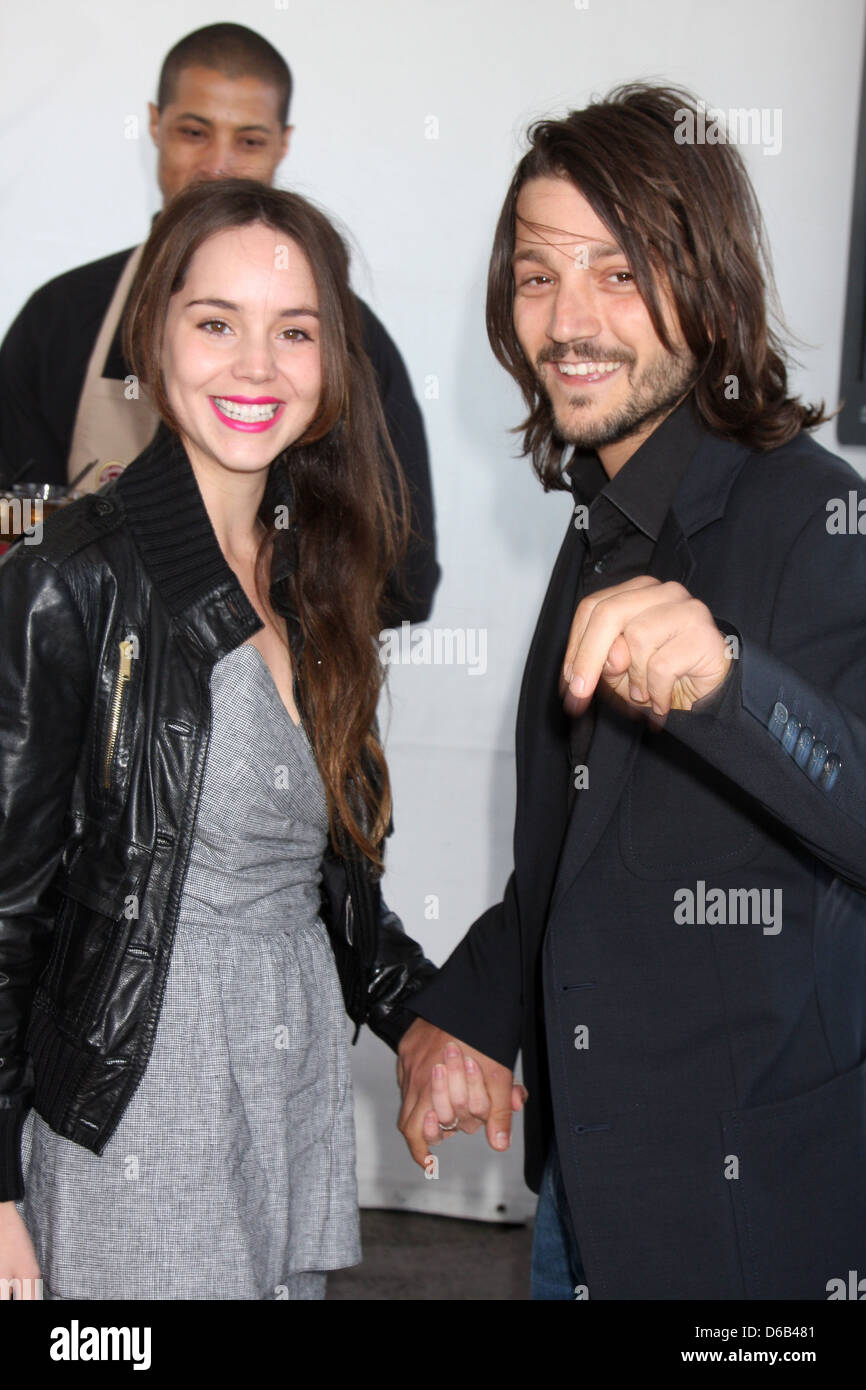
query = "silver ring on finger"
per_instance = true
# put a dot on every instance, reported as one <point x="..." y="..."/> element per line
<point x="449" y="1129"/>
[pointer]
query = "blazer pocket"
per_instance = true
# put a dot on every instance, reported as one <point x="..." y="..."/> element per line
<point x="800" y="1195"/>
<point x="679" y="816"/>
<point x="96" y="916"/>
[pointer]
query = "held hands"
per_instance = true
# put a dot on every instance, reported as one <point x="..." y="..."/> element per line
<point x="650" y="644"/>
<point x="444" y="1080"/>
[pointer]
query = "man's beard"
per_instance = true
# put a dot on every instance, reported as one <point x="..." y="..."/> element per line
<point x="661" y="386"/>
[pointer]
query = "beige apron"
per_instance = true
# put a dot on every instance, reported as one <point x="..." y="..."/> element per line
<point x="109" y="426"/>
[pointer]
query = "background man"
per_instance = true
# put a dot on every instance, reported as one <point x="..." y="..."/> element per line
<point x="681" y="950"/>
<point x="222" y="111"/>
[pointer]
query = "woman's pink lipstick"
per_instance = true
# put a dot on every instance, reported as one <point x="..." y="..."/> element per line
<point x="248" y="426"/>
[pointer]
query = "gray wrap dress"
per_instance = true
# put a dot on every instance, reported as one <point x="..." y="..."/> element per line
<point x="232" y="1172"/>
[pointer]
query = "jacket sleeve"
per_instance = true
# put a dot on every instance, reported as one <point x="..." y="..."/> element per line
<point x="400" y="969"/>
<point x="26" y="436"/>
<point x="379" y="965"/>
<point x="408" y="597"/>
<point x="477" y="995"/>
<point x="789" y="723"/>
<point x="44" y="704"/>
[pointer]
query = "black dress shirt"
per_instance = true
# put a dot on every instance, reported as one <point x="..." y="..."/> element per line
<point x="624" y="516"/>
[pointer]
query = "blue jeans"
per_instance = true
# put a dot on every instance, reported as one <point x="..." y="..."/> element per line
<point x="557" y="1269"/>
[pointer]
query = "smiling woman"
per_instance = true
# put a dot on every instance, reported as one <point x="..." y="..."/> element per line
<point x="213" y="759"/>
<point x="242" y="300"/>
<point x="220" y="356"/>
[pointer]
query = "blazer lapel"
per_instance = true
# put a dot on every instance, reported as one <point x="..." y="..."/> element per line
<point x="542" y="741"/>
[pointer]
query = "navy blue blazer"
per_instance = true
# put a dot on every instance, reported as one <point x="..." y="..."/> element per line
<point x="699" y="1045"/>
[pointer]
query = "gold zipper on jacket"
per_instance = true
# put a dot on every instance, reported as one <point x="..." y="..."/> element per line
<point x="123" y="674"/>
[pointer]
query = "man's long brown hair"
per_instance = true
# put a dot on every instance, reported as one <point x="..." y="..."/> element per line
<point x="687" y="218"/>
<point x="346" y="532"/>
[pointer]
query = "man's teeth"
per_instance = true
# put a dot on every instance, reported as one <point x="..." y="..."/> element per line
<point x="586" y="368"/>
<point x="249" y="414"/>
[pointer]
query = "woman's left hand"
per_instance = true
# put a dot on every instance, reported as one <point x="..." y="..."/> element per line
<point x="460" y="1098"/>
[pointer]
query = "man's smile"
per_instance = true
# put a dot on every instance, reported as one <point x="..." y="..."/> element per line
<point x="585" y="373"/>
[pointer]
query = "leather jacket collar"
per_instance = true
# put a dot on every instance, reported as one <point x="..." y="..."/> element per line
<point x="179" y="548"/>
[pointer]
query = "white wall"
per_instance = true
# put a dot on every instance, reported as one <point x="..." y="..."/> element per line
<point x="422" y="214"/>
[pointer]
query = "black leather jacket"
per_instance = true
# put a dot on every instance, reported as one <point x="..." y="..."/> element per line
<point x="107" y="648"/>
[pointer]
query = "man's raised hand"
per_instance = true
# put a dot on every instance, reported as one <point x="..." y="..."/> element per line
<point x="651" y="644"/>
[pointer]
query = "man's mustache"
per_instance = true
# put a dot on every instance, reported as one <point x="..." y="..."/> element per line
<point x="580" y="354"/>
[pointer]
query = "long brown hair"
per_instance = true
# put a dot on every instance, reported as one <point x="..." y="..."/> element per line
<point x="346" y="532"/>
<point x="687" y="218"/>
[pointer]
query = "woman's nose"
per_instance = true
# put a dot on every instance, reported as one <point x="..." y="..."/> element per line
<point x="254" y="357"/>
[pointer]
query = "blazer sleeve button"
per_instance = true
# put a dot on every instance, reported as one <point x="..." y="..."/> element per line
<point x="778" y="719"/>
<point x="815" y="765"/>
<point x="830" y="772"/>
<point x="804" y="747"/>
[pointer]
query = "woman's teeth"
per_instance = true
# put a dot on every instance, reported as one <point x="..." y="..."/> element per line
<point x="586" y="368"/>
<point x="248" y="414"/>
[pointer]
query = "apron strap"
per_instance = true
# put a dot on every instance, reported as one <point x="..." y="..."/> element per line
<point x="109" y="426"/>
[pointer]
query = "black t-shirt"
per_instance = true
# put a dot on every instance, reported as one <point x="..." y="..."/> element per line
<point x="43" y="361"/>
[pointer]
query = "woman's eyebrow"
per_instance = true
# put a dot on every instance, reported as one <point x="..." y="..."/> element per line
<point x="303" y="309"/>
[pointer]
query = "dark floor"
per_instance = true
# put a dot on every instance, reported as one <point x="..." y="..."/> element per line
<point x="409" y="1256"/>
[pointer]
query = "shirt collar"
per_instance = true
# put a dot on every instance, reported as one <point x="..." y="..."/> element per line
<point x="644" y="488"/>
